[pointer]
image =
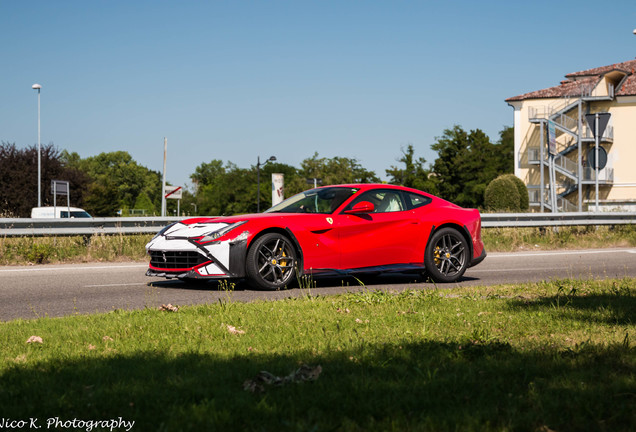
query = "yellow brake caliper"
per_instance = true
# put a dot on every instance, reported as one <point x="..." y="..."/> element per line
<point x="283" y="263"/>
<point x="437" y="254"/>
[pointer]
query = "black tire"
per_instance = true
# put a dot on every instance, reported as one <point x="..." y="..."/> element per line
<point x="271" y="262"/>
<point x="447" y="255"/>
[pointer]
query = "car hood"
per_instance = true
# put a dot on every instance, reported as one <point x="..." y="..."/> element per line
<point x="217" y="219"/>
<point x="240" y="218"/>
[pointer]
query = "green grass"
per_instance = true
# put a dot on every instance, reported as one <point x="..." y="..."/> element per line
<point x="574" y="237"/>
<point x="41" y="250"/>
<point x="72" y="249"/>
<point x="547" y="356"/>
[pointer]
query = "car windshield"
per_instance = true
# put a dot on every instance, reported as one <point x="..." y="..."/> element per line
<point x="321" y="200"/>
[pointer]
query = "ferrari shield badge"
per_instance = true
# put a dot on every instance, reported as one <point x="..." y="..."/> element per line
<point x="330" y="221"/>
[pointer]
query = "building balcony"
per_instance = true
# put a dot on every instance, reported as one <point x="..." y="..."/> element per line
<point x="605" y="176"/>
<point x="563" y="204"/>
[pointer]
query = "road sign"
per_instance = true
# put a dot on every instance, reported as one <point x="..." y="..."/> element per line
<point x="174" y="192"/>
<point x="603" y="119"/>
<point x="602" y="157"/>
<point x="59" y="187"/>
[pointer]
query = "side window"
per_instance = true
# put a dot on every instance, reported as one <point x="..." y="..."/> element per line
<point x="415" y="200"/>
<point x="384" y="201"/>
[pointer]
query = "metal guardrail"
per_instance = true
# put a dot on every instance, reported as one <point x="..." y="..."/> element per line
<point x="83" y="226"/>
<point x="502" y="220"/>
<point x="150" y="225"/>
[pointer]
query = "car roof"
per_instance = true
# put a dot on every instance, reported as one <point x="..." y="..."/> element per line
<point x="367" y="186"/>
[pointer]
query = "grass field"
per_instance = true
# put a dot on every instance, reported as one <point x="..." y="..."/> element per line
<point x="556" y="356"/>
<point x="574" y="237"/>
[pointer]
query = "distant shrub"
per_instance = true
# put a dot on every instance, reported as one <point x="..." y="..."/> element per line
<point x="524" y="199"/>
<point x="502" y="194"/>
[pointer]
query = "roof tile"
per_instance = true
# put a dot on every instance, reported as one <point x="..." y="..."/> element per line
<point x="583" y="81"/>
<point x="567" y="88"/>
<point x="627" y="66"/>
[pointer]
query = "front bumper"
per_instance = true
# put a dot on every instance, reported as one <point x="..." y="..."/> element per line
<point x="187" y="259"/>
<point x="191" y="274"/>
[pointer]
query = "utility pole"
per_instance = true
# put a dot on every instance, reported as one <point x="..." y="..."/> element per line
<point x="38" y="87"/>
<point x="163" y="186"/>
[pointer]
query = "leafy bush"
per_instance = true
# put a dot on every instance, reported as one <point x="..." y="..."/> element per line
<point x="524" y="199"/>
<point x="502" y="195"/>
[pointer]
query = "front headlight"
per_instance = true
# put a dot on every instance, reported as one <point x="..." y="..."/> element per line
<point x="220" y="233"/>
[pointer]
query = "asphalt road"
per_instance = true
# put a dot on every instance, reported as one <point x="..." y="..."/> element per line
<point x="57" y="290"/>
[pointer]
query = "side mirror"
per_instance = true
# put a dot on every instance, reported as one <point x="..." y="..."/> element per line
<point x="363" y="207"/>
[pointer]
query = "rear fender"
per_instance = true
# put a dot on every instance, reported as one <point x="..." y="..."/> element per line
<point x="462" y="229"/>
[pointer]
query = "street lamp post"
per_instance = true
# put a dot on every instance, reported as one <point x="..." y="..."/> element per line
<point x="38" y="87"/>
<point x="258" y="180"/>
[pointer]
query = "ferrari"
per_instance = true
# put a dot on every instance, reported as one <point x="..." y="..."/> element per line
<point x="343" y="229"/>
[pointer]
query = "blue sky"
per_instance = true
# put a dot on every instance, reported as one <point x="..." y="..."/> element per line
<point x="233" y="80"/>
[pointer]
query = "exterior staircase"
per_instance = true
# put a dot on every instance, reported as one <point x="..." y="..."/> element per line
<point x="569" y="178"/>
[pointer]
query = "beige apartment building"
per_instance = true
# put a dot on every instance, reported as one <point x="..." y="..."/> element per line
<point x="556" y="149"/>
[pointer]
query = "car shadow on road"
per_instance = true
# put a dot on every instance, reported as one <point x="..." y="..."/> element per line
<point x="400" y="280"/>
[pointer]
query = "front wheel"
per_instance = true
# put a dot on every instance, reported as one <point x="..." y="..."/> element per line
<point x="447" y="255"/>
<point x="271" y="262"/>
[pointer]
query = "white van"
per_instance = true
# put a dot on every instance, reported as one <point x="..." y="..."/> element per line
<point x="58" y="213"/>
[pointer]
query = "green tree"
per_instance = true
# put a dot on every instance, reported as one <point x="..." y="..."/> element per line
<point x="414" y="174"/>
<point x="101" y="199"/>
<point x="451" y="151"/>
<point x="19" y="174"/>
<point x="116" y="181"/>
<point x="228" y="189"/>
<point x="224" y="190"/>
<point x="208" y="181"/>
<point x="505" y="150"/>
<point x="467" y="162"/>
<point x="336" y="170"/>
<point x="144" y="203"/>
<point x="208" y="172"/>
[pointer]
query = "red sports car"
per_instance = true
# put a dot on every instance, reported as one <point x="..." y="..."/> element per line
<point x="341" y="229"/>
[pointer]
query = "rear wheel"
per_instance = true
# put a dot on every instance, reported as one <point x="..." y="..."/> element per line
<point x="447" y="255"/>
<point x="271" y="262"/>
